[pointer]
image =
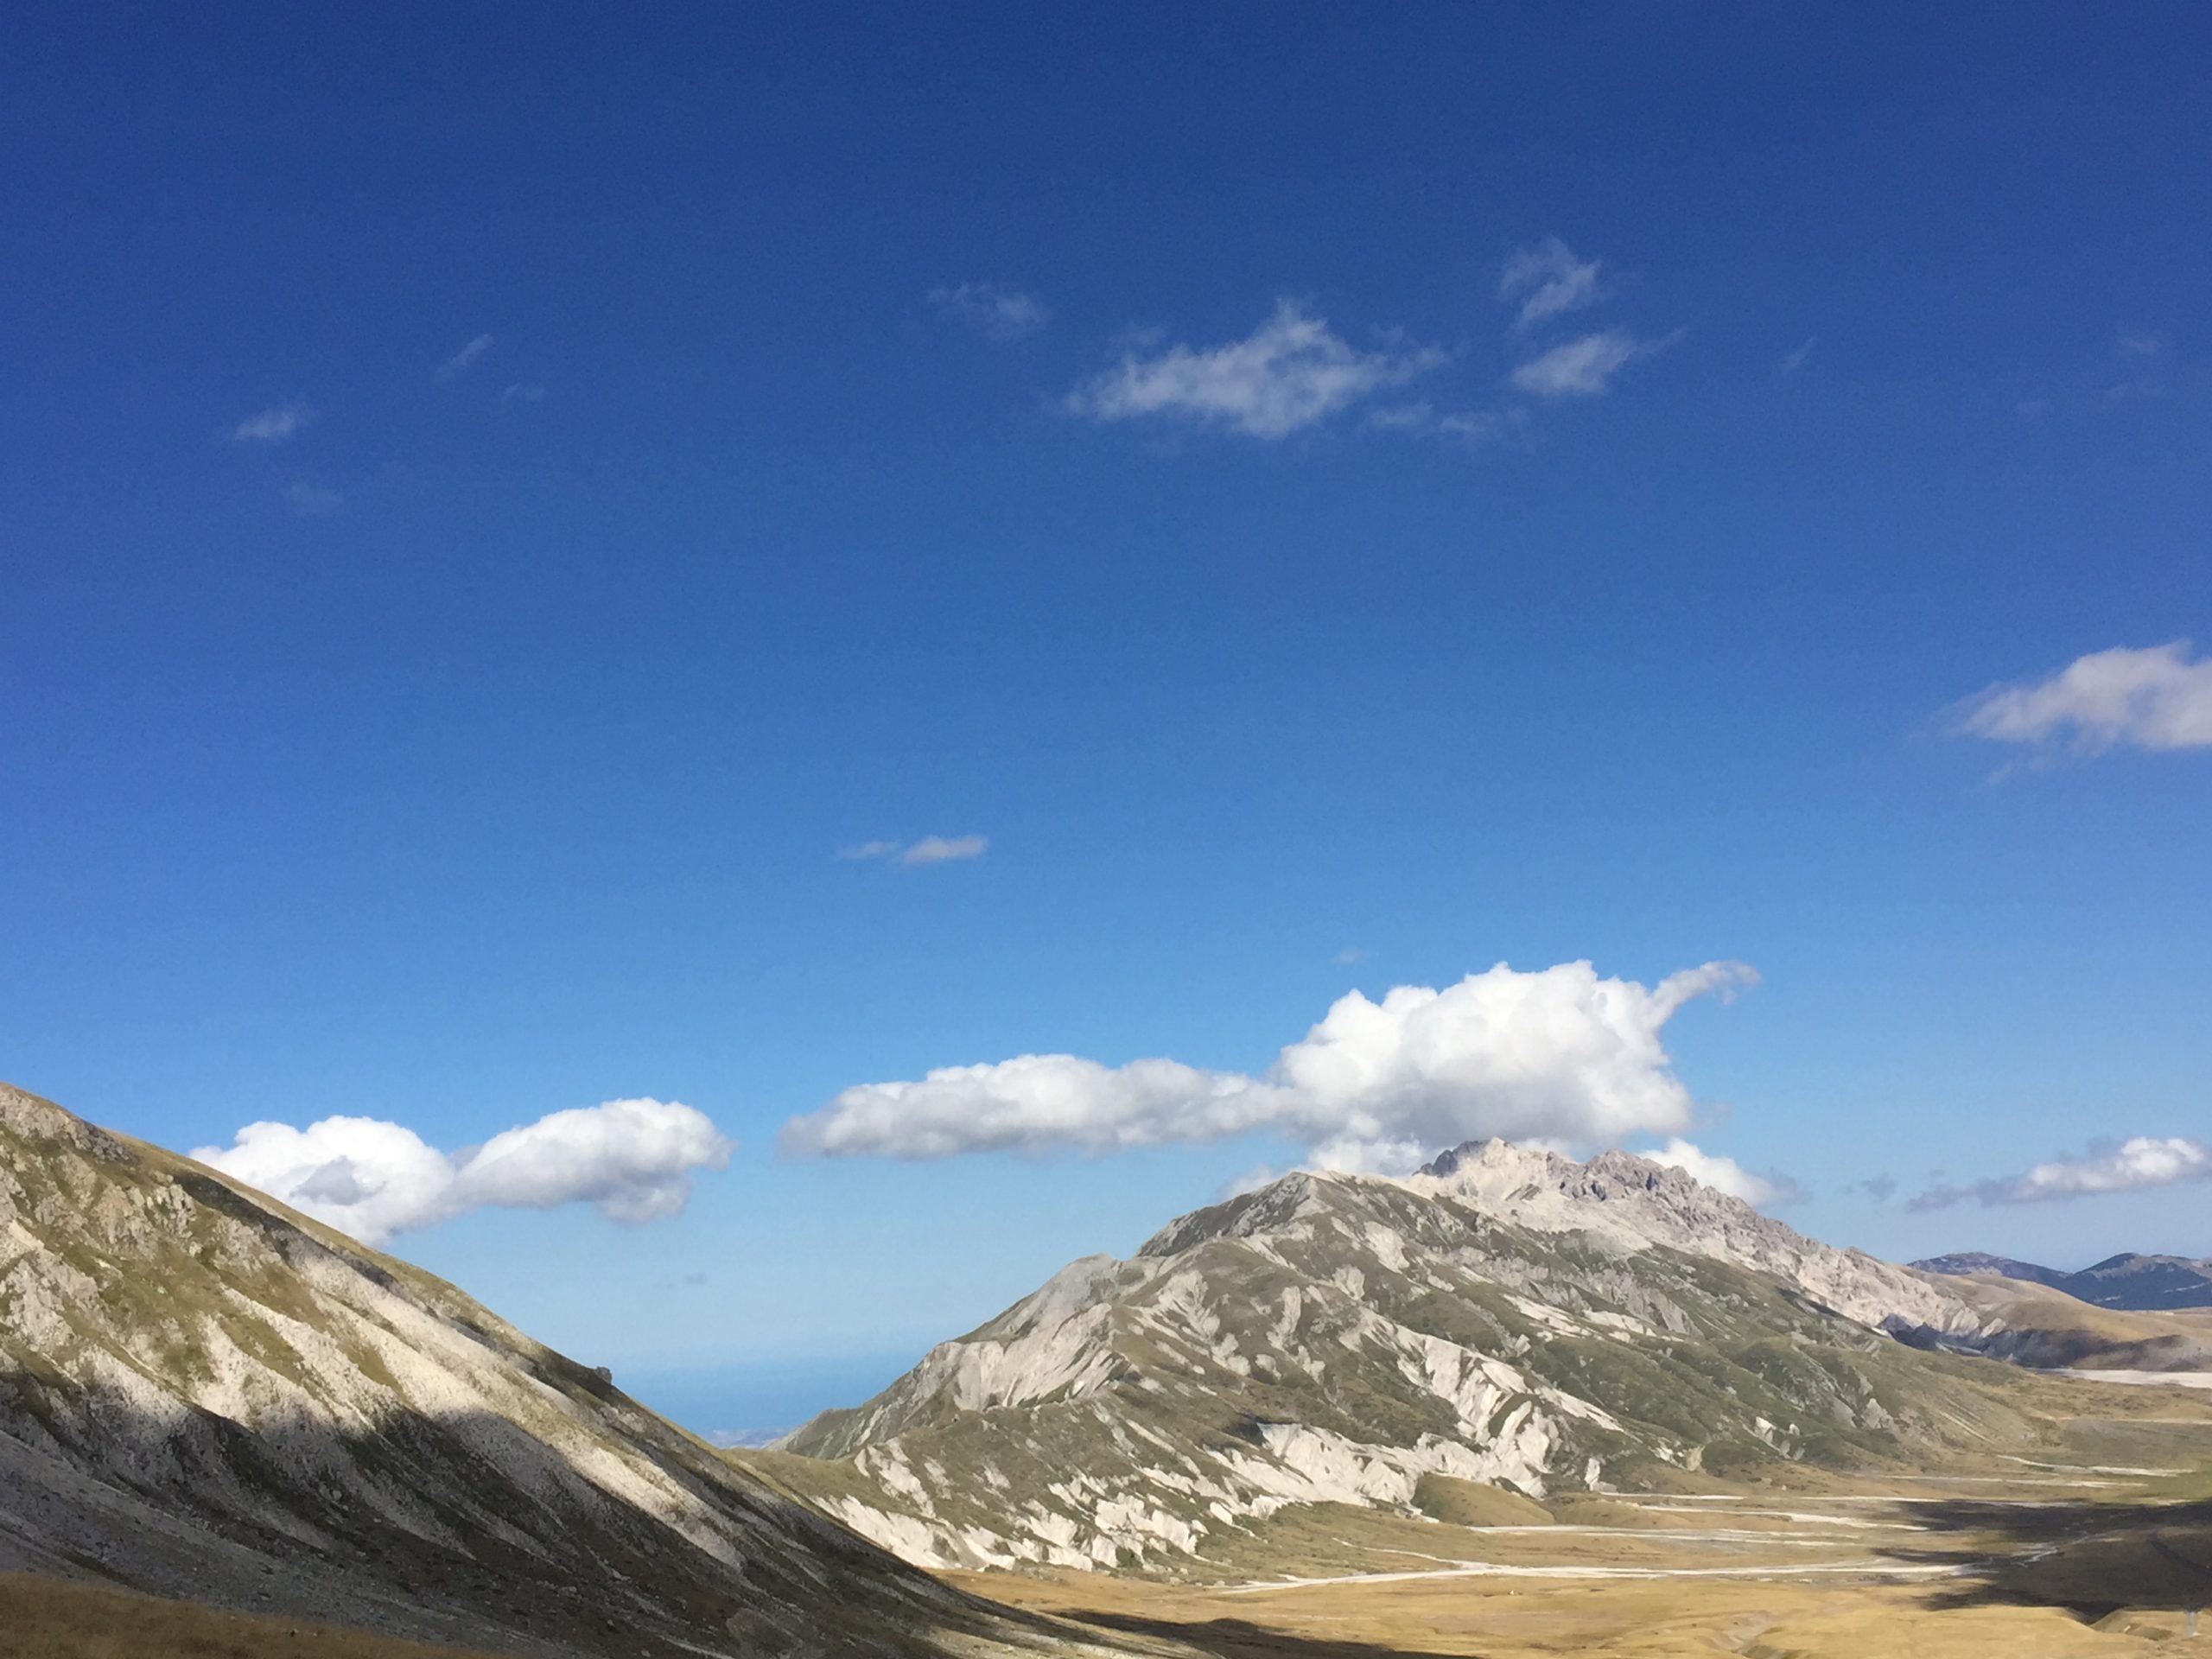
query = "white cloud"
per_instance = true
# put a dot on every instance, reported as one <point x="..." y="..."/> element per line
<point x="2133" y="1166"/>
<point x="633" y="1158"/>
<point x="1552" y="279"/>
<point x="999" y="314"/>
<point x="1798" y="359"/>
<point x="1580" y="368"/>
<point x="929" y="849"/>
<point x="1473" y="426"/>
<point x="1723" y="1174"/>
<point x="2155" y="698"/>
<point x="1557" y="1053"/>
<point x="944" y="849"/>
<point x="1290" y="373"/>
<point x="460" y="362"/>
<point x="522" y="391"/>
<point x="2142" y="345"/>
<point x="273" y="424"/>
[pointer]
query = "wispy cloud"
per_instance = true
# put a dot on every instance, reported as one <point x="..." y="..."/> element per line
<point x="524" y="391"/>
<point x="1580" y="368"/>
<point x="313" y="500"/>
<point x="871" y="850"/>
<point x="1556" y="1054"/>
<point x="2153" y="698"/>
<point x="929" y="849"/>
<point x="944" y="849"/>
<point x="1291" y="373"/>
<point x="273" y="424"/>
<point x="1548" y="280"/>
<point x="999" y="313"/>
<point x="2131" y="1165"/>
<point x="462" y="360"/>
<point x="372" y="1177"/>
<point x="1472" y="427"/>
<point x="1352" y="956"/>
<point x="1798" y="359"/>
<point x="2142" y="345"/>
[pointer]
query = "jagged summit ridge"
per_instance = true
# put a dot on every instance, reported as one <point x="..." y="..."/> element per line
<point x="1633" y="1203"/>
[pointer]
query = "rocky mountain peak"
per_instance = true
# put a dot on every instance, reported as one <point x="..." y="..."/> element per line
<point x="1507" y="1315"/>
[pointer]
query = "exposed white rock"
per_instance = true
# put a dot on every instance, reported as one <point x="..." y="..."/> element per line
<point x="1633" y="1203"/>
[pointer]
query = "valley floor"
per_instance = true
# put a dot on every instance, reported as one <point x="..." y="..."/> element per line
<point x="2048" y="1559"/>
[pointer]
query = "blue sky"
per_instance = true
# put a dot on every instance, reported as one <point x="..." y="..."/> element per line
<point x="493" y="504"/>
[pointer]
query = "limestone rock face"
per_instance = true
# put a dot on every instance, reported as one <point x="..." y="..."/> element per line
<point x="1506" y="1316"/>
<point x="1634" y="1204"/>
<point x="203" y="1394"/>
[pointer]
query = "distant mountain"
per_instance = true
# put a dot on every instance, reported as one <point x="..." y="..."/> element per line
<point x="2145" y="1283"/>
<point x="1969" y="1263"/>
<point x="206" y="1395"/>
<point x="2154" y="1283"/>
<point x="1506" y="1319"/>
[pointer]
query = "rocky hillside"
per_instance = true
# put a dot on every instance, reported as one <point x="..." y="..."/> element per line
<point x="205" y="1394"/>
<point x="1507" y="1317"/>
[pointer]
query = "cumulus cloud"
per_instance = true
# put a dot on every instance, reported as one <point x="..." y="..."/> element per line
<point x="1548" y="280"/>
<point x="2130" y="1166"/>
<point x="999" y="313"/>
<point x="929" y="849"/>
<point x="633" y="1158"/>
<point x="1290" y="373"/>
<point x="1580" y="368"/>
<point x="2153" y="698"/>
<point x="462" y="360"/>
<point x="1724" y="1174"/>
<point x="273" y="424"/>
<point x="1557" y="1053"/>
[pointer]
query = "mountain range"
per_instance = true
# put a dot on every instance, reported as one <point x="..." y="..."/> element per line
<point x="1507" y="1319"/>
<point x="205" y="1395"/>
<point x="2145" y="1283"/>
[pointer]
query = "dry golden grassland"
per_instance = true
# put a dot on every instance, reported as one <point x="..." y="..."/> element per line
<point x="52" y="1619"/>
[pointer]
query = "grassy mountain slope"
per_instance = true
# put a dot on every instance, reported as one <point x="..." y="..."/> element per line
<point x="205" y="1394"/>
